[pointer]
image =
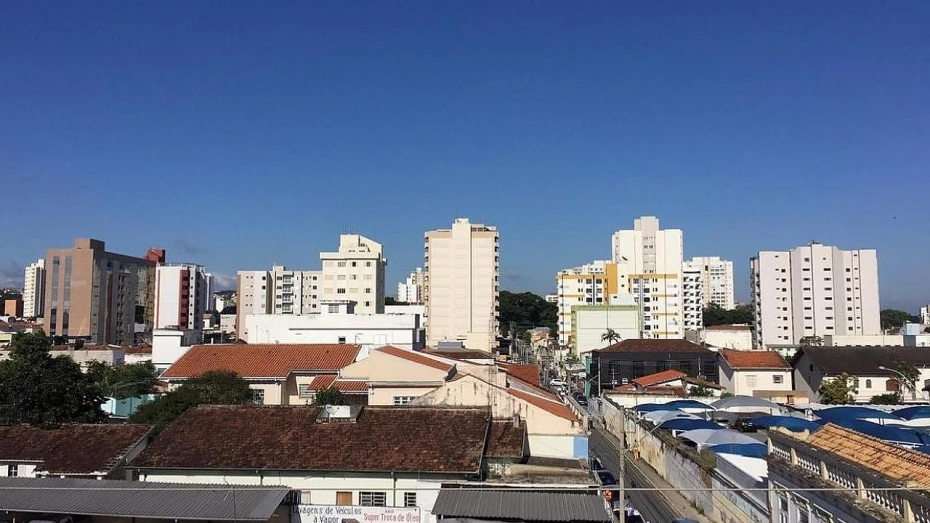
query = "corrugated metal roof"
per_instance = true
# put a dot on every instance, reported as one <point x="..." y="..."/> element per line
<point x="521" y="505"/>
<point x="139" y="499"/>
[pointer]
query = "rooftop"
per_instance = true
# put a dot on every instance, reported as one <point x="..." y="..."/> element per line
<point x="289" y="438"/>
<point x="863" y="361"/>
<point x="549" y="405"/>
<point x="326" y="381"/>
<point x="522" y="371"/>
<point x="263" y="360"/>
<point x="416" y="358"/>
<point x="898" y="463"/>
<point x="521" y="505"/>
<point x="735" y="327"/>
<point x="660" y="377"/>
<point x="754" y="359"/>
<point x="657" y="346"/>
<point x="70" y="449"/>
<point x="140" y="499"/>
<point x="506" y="440"/>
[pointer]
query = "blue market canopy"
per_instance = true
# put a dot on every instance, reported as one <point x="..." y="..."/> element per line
<point x="661" y="416"/>
<point x="688" y="424"/>
<point x="750" y="450"/>
<point x="915" y="412"/>
<point x="854" y="412"/>
<point x="892" y="434"/>
<point x="786" y="422"/>
<point x="710" y="437"/>
<point x="689" y="404"/>
<point x="652" y="407"/>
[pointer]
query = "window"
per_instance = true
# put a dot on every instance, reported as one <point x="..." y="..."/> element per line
<point x="341" y="264"/>
<point x="342" y="339"/>
<point x="368" y="264"/>
<point x="340" y="291"/>
<point x="751" y="380"/>
<point x="868" y="384"/>
<point x="372" y="499"/>
<point x="13" y="471"/>
<point x="343" y="498"/>
<point x="258" y="396"/>
<point x="398" y="401"/>
<point x="354" y="264"/>
<point x="410" y="499"/>
<point x="367" y="290"/>
<point x="778" y="379"/>
<point x="304" y="497"/>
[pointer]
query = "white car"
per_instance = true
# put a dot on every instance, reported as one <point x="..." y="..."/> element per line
<point x="556" y="383"/>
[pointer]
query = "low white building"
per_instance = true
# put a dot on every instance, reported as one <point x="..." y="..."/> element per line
<point x="754" y="373"/>
<point x="591" y="322"/>
<point x="872" y="367"/>
<point x="338" y="323"/>
<point x="168" y="345"/>
<point x="863" y="340"/>
<point x="736" y="337"/>
<point x="349" y="461"/>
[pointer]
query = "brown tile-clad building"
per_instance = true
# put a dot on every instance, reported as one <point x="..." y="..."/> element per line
<point x="93" y="295"/>
<point x="74" y="451"/>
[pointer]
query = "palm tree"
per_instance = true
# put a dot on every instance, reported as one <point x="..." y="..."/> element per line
<point x="610" y="337"/>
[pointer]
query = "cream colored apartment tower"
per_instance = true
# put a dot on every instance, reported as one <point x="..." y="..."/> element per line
<point x="34" y="290"/>
<point x="649" y="267"/>
<point x="590" y="284"/>
<point x="355" y="272"/>
<point x="462" y="267"/>
<point x="814" y="290"/>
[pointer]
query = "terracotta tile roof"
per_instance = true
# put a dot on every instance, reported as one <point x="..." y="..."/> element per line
<point x="70" y="449"/>
<point x="699" y="381"/>
<point x="637" y="345"/>
<point x="415" y="357"/>
<point x="659" y="377"/>
<point x="551" y="406"/>
<point x="898" y="463"/>
<point x="290" y="438"/>
<point x="262" y="361"/>
<point x="522" y="371"/>
<point x="141" y="349"/>
<point x="506" y="440"/>
<point x="753" y="359"/>
<point x="326" y="381"/>
<point x="728" y="328"/>
<point x="460" y="354"/>
<point x="653" y="391"/>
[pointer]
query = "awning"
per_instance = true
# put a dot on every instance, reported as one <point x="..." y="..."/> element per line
<point x="521" y="505"/>
<point x="140" y="499"/>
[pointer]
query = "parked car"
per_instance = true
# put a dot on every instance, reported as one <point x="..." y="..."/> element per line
<point x="745" y="425"/>
<point x="556" y="383"/>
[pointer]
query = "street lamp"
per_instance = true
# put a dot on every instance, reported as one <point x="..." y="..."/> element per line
<point x="904" y="379"/>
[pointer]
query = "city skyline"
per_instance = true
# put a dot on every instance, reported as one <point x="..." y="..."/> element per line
<point x="151" y="126"/>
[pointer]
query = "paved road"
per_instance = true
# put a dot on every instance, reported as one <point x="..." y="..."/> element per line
<point x="655" y="507"/>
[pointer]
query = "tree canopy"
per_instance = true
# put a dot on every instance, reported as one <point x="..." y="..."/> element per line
<point x="45" y="391"/>
<point x="840" y="390"/>
<point x="610" y="337"/>
<point x="893" y="318"/>
<point x="218" y="387"/>
<point x="526" y="310"/>
<point x="124" y="381"/>
<point x="330" y="396"/>
<point x="717" y="315"/>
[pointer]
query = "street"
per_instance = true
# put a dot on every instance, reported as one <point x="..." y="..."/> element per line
<point x="654" y="506"/>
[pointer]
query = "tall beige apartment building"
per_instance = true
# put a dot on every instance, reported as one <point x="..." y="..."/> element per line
<point x="278" y="291"/>
<point x="355" y="272"/>
<point x="34" y="290"/>
<point x="94" y="295"/>
<point x="462" y="267"/>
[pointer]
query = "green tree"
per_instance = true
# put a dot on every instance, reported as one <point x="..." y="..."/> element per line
<point x="893" y="318"/>
<point x="526" y="310"/>
<point x="714" y="314"/>
<point x="45" y="391"/>
<point x="890" y="398"/>
<point x="330" y="396"/>
<point x="910" y="375"/>
<point x="811" y="341"/>
<point x="610" y="337"/>
<point x="123" y="381"/>
<point x="218" y="387"/>
<point x="700" y="391"/>
<point x="840" y="390"/>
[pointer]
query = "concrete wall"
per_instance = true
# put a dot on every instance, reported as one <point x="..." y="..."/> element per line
<point x="376" y="330"/>
<point x="737" y="339"/>
<point x="590" y="323"/>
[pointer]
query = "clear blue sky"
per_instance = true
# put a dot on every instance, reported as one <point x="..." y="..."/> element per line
<point x="239" y="134"/>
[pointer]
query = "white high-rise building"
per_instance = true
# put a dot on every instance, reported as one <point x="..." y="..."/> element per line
<point x="925" y="315"/>
<point x="209" y="303"/>
<point x="649" y="267"/>
<point x="34" y="290"/>
<point x="410" y="291"/>
<point x="461" y="291"/>
<point x="355" y="272"/>
<point x="815" y="290"/>
<point x="180" y="296"/>
<point x="278" y="291"/>
<point x="693" y="296"/>
<point x="716" y="279"/>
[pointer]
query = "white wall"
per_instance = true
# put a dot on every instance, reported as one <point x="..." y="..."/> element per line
<point x="737" y="339"/>
<point x="167" y="347"/>
<point x="861" y="340"/>
<point x="590" y="323"/>
<point x="375" y="330"/>
<point x="23" y="470"/>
